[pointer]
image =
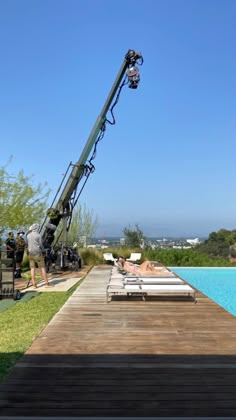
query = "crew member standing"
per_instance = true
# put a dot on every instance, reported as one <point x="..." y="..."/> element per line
<point x="19" y="253"/>
<point x="11" y="245"/>
<point x="36" y="253"/>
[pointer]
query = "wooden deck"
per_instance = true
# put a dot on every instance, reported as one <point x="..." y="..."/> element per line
<point x="158" y="358"/>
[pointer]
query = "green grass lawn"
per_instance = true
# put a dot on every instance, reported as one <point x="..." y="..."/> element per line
<point x="21" y="323"/>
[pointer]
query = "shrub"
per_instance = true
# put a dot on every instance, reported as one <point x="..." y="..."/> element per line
<point x="90" y="256"/>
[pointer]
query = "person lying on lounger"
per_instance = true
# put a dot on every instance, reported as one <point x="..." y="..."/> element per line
<point x="144" y="269"/>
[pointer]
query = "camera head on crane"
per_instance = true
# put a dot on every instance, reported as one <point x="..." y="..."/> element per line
<point x="133" y="58"/>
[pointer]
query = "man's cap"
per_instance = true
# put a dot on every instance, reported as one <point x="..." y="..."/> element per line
<point x="34" y="227"/>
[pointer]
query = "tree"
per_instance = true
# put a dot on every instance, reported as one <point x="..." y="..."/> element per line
<point x="21" y="204"/>
<point x="134" y="238"/>
<point x="83" y="224"/>
<point x="219" y="244"/>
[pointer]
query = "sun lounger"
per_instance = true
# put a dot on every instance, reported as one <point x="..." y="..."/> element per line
<point x="134" y="257"/>
<point x="108" y="257"/>
<point x="144" y="290"/>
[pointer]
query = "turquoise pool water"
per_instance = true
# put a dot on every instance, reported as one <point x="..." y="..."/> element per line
<point x="219" y="284"/>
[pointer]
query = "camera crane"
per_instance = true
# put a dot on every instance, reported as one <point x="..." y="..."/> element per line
<point x="60" y="212"/>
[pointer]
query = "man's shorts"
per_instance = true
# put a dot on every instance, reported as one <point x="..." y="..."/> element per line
<point x="19" y="256"/>
<point x="36" y="261"/>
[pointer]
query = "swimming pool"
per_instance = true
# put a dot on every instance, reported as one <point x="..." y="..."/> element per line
<point x="219" y="284"/>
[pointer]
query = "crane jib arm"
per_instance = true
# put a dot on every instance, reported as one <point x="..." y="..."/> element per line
<point x="61" y="209"/>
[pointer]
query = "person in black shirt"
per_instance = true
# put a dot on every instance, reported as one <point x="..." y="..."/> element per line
<point x="19" y="252"/>
<point x="11" y="245"/>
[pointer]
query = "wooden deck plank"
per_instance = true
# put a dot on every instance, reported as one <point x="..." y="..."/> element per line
<point x="161" y="357"/>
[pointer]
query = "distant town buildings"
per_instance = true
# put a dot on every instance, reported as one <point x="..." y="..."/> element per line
<point x="122" y="241"/>
<point x="193" y="242"/>
<point x="154" y="243"/>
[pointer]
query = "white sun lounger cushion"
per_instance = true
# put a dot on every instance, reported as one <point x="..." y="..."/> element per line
<point x="147" y="278"/>
<point x="168" y="288"/>
<point x="132" y="287"/>
<point x="153" y="280"/>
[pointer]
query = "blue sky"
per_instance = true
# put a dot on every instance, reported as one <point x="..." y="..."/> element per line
<point x="168" y="163"/>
